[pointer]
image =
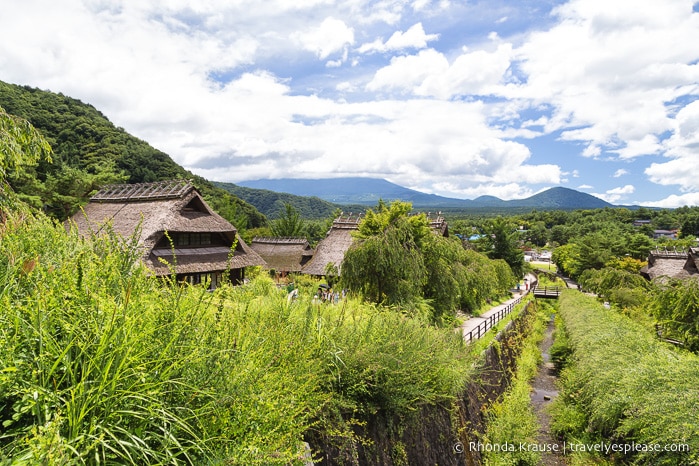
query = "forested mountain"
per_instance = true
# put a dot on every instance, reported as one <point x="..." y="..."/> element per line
<point x="89" y="152"/>
<point x="367" y="191"/>
<point x="272" y="203"/>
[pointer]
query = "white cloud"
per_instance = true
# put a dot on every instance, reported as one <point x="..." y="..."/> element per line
<point x="331" y="36"/>
<point x="406" y="73"/>
<point x="414" y="37"/>
<point x="429" y="73"/>
<point x="683" y="149"/>
<point x="614" y="195"/>
<point x="674" y="201"/>
<point x="619" y="173"/>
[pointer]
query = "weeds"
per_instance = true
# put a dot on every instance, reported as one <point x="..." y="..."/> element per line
<point x="100" y="363"/>
<point x="622" y="385"/>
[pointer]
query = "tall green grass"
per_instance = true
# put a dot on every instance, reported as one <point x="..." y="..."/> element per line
<point x="511" y="420"/>
<point x="100" y="363"/>
<point x="623" y="385"/>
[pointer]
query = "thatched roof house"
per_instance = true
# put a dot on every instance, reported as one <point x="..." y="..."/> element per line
<point x="283" y="254"/>
<point x="672" y="264"/>
<point x="333" y="247"/>
<point x="172" y="217"/>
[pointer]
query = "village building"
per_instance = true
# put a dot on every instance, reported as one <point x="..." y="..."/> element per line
<point x="667" y="234"/>
<point x="178" y="232"/>
<point x="332" y="248"/>
<point x="672" y="263"/>
<point x="283" y="255"/>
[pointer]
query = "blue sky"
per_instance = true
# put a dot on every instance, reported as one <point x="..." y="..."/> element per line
<point x="457" y="98"/>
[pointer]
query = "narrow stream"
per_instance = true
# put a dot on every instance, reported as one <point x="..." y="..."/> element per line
<point x="543" y="392"/>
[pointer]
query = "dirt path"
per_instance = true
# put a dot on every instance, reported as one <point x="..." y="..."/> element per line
<point x="543" y="392"/>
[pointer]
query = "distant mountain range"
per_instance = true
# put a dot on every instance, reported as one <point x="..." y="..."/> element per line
<point x="368" y="191"/>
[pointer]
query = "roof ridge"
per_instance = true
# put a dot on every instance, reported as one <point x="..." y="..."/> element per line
<point x="167" y="189"/>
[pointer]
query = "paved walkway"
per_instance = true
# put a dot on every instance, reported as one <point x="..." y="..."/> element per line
<point x="469" y="329"/>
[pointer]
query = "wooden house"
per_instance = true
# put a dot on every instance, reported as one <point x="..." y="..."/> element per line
<point x="284" y="255"/>
<point x="176" y="227"/>
<point x="333" y="247"/>
<point x="672" y="263"/>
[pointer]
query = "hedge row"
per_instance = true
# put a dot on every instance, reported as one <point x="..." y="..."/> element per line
<point x="622" y="386"/>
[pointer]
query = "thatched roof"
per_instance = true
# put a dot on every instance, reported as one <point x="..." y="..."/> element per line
<point x="152" y="209"/>
<point x="672" y="264"/>
<point x="333" y="247"/>
<point x="283" y="254"/>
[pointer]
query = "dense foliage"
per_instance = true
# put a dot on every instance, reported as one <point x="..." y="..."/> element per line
<point x="101" y="363"/>
<point x="89" y="152"/>
<point x="397" y="260"/>
<point x="501" y="241"/>
<point x="621" y="385"/>
<point x="676" y="306"/>
<point x="21" y="144"/>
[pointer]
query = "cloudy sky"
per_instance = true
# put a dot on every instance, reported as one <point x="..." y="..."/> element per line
<point x="458" y="98"/>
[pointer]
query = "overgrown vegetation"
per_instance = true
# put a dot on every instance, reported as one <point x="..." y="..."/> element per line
<point x="621" y="385"/>
<point x="101" y="364"/>
<point x="511" y="421"/>
<point x="397" y="260"/>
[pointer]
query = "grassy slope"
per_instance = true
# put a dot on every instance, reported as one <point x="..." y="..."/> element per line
<point x="623" y="385"/>
<point x="100" y="362"/>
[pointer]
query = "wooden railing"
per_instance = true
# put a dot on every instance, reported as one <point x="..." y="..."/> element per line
<point x="547" y="291"/>
<point x="490" y="321"/>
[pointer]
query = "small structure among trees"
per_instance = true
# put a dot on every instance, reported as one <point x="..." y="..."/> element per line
<point x="672" y="263"/>
<point x="284" y="255"/>
<point x="332" y="248"/>
<point x="177" y="229"/>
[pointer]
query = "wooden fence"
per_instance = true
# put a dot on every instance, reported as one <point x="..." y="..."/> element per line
<point x="547" y="291"/>
<point x="490" y="321"/>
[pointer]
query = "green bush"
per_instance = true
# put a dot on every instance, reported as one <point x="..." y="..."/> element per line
<point x="102" y="363"/>
<point x="629" y="386"/>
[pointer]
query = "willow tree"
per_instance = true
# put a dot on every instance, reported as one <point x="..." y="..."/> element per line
<point x="397" y="259"/>
<point x="386" y="267"/>
<point x="676" y="307"/>
<point x="20" y="144"/>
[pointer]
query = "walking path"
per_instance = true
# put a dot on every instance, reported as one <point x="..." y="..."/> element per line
<point x="475" y="327"/>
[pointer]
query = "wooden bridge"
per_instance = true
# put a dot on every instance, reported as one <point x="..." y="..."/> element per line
<point x="550" y="292"/>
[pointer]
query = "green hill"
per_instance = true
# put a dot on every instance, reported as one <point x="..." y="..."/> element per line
<point x="89" y="152"/>
<point x="271" y="203"/>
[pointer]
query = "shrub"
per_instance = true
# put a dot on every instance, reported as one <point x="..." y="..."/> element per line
<point x="629" y="386"/>
<point x="102" y="363"/>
